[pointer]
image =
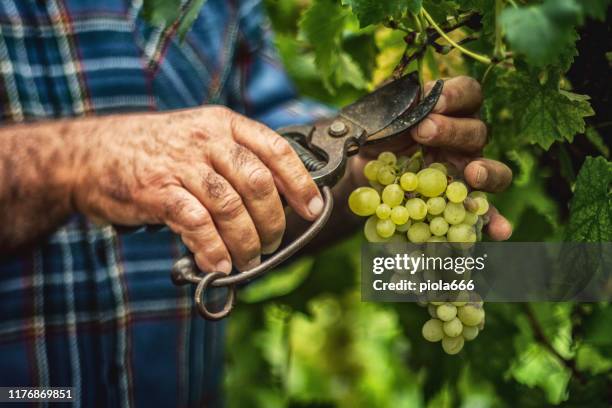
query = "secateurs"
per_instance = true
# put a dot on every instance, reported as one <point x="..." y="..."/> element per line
<point x="324" y="148"/>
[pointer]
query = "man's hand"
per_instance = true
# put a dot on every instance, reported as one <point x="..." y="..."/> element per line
<point x="453" y="133"/>
<point x="213" y="176"/>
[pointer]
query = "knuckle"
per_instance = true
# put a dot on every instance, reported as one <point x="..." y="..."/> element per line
<point x="230" y="206"/>
<point x="260" y="182"/>
<point x="281" y="147"/>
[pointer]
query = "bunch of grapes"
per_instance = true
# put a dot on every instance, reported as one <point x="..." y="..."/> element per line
<point x="410" y="202"/>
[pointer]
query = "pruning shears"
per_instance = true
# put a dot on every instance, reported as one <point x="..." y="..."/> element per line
<point x="324" y="148"/>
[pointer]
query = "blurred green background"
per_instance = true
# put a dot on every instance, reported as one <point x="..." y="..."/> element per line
<point x="301" y="336"/>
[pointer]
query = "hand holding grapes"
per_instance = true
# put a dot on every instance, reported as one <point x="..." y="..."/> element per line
<point x="452" y="133"/>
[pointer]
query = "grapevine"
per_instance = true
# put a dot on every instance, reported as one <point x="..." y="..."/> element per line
<point x="407" y="201"/>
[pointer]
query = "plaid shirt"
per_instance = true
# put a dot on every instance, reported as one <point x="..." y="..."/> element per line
<point x="89" y="307"/>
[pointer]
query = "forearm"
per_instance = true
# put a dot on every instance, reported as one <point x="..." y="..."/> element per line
<point x="37" y="164"/>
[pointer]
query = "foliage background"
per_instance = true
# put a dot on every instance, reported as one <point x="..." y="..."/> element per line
<point x="301" y="336"/>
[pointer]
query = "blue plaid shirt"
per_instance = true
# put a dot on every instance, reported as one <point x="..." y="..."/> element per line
<point x="89" y="307"/>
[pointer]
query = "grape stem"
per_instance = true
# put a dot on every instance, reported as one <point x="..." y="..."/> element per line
<point x="476" y="56"/>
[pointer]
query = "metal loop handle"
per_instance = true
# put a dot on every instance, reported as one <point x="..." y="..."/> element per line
<point x="185" y="270"/>
<point x="201" y="304"/>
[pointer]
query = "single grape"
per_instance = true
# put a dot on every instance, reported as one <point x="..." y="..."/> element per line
<point x="416" y="208"/>
<point x="438" y="226"/>
<point x="483" y="205"/>
<point x="393" y="195"/>
<point x="409" y="181"/>
<point x="452" y="345"/>
<point x="452" y="328"/>
<point x="385" y="228"/>
<point x="387" y="158"/>
<point x="439" y="166"/>
<point x="461" y="298"/>
<point x="400" y="215"/>
<point x="456" y="192"/>
<point x="446" y="312"/>
<point x="383" y="211"/>
<point x="461" y="233"/>
<point x="470" y="332"/>
<point x="470" y="315"/>
<point x="432" y="330"/>
<point x="370" y="170"/>
<point x="403" y="227"/>
<point x="470" y="218"/>
<point x="432" y="182"/>
<point x="475" y="194"/>
<point x="369" y="230"/>
<point x="364" y="201"/>
<point x="418" y="233"/>
<point x="385" y="175"/>
<point x="454" y="213"/>
<point x="436" y="205"/>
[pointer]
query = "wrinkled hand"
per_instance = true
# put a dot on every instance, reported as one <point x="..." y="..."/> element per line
<point x="453" y="133"/>
<point x="213" y="176"/>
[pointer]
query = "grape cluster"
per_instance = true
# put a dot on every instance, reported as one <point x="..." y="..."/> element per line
<point x="410" y="202"/>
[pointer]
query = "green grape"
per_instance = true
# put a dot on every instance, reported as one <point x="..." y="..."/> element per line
<point x="403" y="227"/>
<point x="364" y="201"/>
<point x="370" y="171"/>
<point x="470" y="332"/>
<point x="470" y="204"/>
<point x="461" y="299"/>
<point x="431" y="309"/>
<point x="432" y="330"/>
<point x="452" y="345"/>
<point x="454" y="213"/>
<point x="475" y="194"/>
<point x="446" y="312"/>
<point x="439" y="166"/>
<point x="470" y="315"/>
<point x="385" y="228"/>
<point x="383" y="211"/>
<point x="470" y="218"/>
<point x="416" y="208"/>
<point x="456" y="192"/>
<point x="438" y="226"/>
<point x="452" y="328"/>
<point x="385" y="175"/>
<point x="409" y="181"/>
<point x="432" y="182"/>
<point x="437" y="239"/>
<point x="483" y="205"/>
<point x="436" y="205"/>
<point x="461" y="233"/>
<point x="369" y="230"/>
<point x="399" y="215"/>
<point x="393" y="195"/>
<point x="418" y="233"/>
<point x="387" y="158"/>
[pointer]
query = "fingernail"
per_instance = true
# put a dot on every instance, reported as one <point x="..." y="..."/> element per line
<point x="315" y="206"/>
<point x="253" y="263"/>
<point x="481" y="175"/>
<point x="271" y="248"/>
<point x="427" y="129"/>
<point x="441" y="104"/>
<point x="224" y="266"/>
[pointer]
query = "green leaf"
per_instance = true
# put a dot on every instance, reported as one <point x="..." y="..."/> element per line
<point x="376" y="11"/>
<point x="596" y="140"/>
<point x="595" y="8"/>
<point x="591" y="206"/>
<point x="542" y="32"/>
<point x="279" y="282"/>
<point x="347" y="71"/>
<point x="161" y="12"/>
<point x="321" y="25"/>
<point x="522" y="109"/>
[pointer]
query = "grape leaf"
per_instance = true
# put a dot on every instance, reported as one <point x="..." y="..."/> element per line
<point x="542" y="32"/>
<point x="595" y="8"/>
<point x="375" y="11"/>
<point x="591" y="207"/>
<point x="520" y="108"/>
<point x="322" y="24"/>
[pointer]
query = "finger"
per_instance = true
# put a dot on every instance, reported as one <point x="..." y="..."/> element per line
<point x="255" y="184"/>
<point x="186" y="216"/>
<point x="228" y="213"/>
<point x="488" y="175"/>
<point x="461" y="95"/>
<point x="291" y="177"/>
<point x="499" y="228"/>
<point x="461" y="134"/>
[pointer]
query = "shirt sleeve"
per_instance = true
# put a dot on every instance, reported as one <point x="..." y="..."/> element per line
<point x="259" y="86"/>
